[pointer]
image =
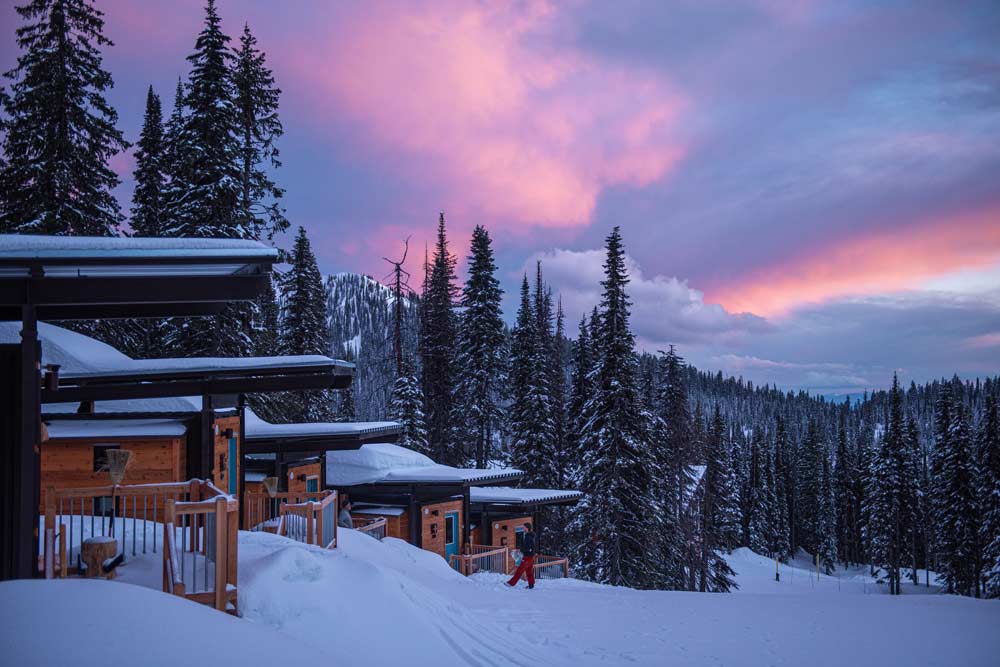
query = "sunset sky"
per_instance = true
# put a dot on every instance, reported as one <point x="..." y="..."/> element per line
<point x="809" y="192"/>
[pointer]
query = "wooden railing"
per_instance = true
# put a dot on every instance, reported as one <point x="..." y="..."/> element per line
<point x="551" y="567"/>
<point x="262" y="511"/>
<point x="482" y="558"/>
<point x="310" y="522"/>
<point x="194" y="524"/>
<point x="202" y="535"/>
<point x="373" y="527"/>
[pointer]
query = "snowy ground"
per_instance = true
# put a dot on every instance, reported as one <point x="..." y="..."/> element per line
<point x="378" y="603"/>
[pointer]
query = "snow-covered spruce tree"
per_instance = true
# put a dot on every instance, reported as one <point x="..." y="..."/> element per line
<point x="407" y="408"/>
<point x="672" y="445"/>
<point x="59" y="130"/>
<point x="438" y="343"/>
<point x="272" y="406"/>
<point x="206" y="147"/>
<point x="955" y="499"/>
<point x="564" y="457"/>
<point x="147" y="198"/>
<point x="618" y="517"/>
<point x="258" y="126"/>
<point x="481" y="362"/>
<point x="719" y="516"/>
<point x="783" y="492"/>
<point x="530" y="414"/>
<point x="989" y="494"/>
<point x="346" y="410"/>
<point x="809" y="489"/>
<point x="174" y="187"/>
<point x="780" y="534"/>
<point x="828" y="521"/>
<point x="580" y="390"/>
<point x="843" y="497"/>
<point x="304" y="327"/>
<point x="759" y="509"/>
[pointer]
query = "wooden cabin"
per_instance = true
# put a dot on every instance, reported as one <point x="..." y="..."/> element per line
<point x="424" y="503"/>
<point x="501" y="513"/>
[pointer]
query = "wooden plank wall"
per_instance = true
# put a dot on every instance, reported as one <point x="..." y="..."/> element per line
<point x="220" y="453"/>
<point x="504" y="531"/>
<point x="395" y="526"/>
<point x="69" y="464"/>
<point x="297" y="483"/>
<point x="432" y="527"/>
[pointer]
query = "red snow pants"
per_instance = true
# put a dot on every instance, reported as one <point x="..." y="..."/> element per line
<point x="527" y="567"/>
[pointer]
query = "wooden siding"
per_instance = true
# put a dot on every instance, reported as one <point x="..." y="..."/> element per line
<point x="505" y="531"/>
<point x="298" y="475"/>
<point x="432" y="526"/>
<point x="220" y="452"/>
<point x="395" y="526"/>
<point x="69" y="464"/>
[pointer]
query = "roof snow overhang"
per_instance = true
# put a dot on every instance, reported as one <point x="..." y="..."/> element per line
<point x="498" y="498"/>
<point x="78" y="277"/>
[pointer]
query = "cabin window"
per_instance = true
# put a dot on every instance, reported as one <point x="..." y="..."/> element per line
<point x="449" y="530"/>
<point x="312" y="484"/>
<point x="101" y="456"/>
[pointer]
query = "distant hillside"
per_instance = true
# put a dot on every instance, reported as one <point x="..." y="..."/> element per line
<point x="360" y="316"/>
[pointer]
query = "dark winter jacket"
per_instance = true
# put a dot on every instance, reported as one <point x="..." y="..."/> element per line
<point x="528" y="545"/>
<point x="344" y="519"/>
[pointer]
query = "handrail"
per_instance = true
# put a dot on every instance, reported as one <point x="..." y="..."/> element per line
<point x="542" y="562"/>
<point x="316" y="520"/>
<point x="373" y="527"/>
<point x="488" y="559"/>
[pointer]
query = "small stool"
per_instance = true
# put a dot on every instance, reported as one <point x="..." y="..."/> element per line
<point x="95" y="551"/>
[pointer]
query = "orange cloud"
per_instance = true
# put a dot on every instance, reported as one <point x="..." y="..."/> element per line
<point x="469" y="98"/>
<point x="879" y="262"/>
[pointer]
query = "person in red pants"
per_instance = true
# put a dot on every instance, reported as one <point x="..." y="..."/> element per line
<point x="527" y="566"/>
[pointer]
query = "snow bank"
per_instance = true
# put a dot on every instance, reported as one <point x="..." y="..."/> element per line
<point x="96" y="622"/>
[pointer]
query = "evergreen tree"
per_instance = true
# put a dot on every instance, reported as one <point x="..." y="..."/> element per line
<point x="614" y="518"/>
<point x="759" y="536"/>
<point x="719" y="516"/>
<point x="407" y="408"/>
<point x="843" y="480"/>
<point x="481" y="341"/>
<point x="304" y="327"/>
<point x="59" y="131"/>
<point x="581" y="390"/>
<point x="271" y="406"/>
<point x="783" y="492"/>
<point x="172" y="165"/>
<point x="346" y="411"/>
<point x="828" y="521"/>
<point x="206" y="196"/>
<point x="809" y="489"/>
<point x="437" y="349"/>
<point x="531" y="420"/>
<point x="258" y="127"/>
<point x="989" y="494"/>
<point x="147" y="199"/>
<point x="955" y="500"/>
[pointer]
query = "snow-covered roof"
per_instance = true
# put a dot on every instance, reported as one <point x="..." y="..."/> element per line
<point x="130" y="249"/>
<point x="387" y="463"/>
<point x="258" y="429"/>
<point x="379" y="510"/>
<point x="505" y="495"/>
<point x="114" y="428"/>
<point x="83" y="357"/>
<point x="254" y="476"/>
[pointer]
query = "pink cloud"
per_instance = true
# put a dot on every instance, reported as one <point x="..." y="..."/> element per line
<point x="469" y="98"/>
<point x="866" y="264"/>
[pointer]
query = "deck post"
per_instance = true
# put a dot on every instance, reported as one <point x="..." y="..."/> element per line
<point x="221" y="551"/>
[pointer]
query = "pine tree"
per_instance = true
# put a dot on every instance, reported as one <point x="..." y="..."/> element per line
<point x="989" y="494"/>
<point x="827" y="548"/>
<point x="272" y="406"/>
<point x="955" y="500"/>
<point x="59" y="131"/>
<point x="258" y="127"/>
<point x="407" y="408"/>
<point x="843" y="480"/>
<point x="437" y="349"/>
<point x="206" y="200"/>
<point x="783" y="492"/>
<point x="581" y="390"/>
<point x="719" y="516"/>
<point x="147" y="199"/>
<point x="304" y="326"/>
<point x="172" y="165"/>
<point x="481" y="341"/>
<point x="530" y="415"/>
<point x="759" y="536"/>
<point x="809" y="489"/>
<point x="346" y="410"/>
<point x="614" y="519"/>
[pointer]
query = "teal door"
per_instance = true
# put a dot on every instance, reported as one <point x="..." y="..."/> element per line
<point x="450" y="535"/>
<point x="232" y="466"/>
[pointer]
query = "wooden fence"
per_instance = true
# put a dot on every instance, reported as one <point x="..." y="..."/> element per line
<point x="262" y="511"/>
<point x="482" y="558"/>
<point x="310" y="522"/>
<point x="372" y="527"/>
<point x="194" y="525"/>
